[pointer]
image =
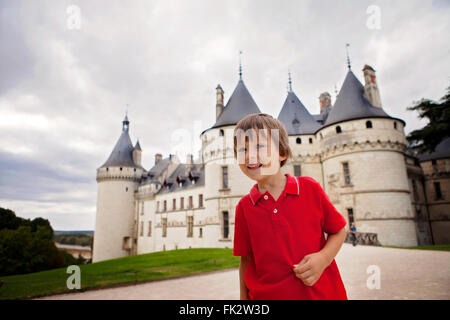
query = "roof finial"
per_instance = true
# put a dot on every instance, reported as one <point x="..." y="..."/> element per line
<point x="240" y="65"/>
<point x="348" y="57"/>
<point x="125" y="122"/>
<point x="289" y="81"/>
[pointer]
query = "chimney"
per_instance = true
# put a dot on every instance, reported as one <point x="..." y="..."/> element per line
<point x="371" y="91"/>
<point x="325" y="102"/>
<point x="158" y="157"/>
<point x="189" y="162"/>
<point x="219" y="103"/>
<point x="189" y="159"/>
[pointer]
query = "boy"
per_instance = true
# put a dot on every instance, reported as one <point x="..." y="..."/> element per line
<point x="280" y="224"/>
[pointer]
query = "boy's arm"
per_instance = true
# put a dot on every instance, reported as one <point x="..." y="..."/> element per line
<point x="333" y="245"/>
<point x="312" y="265"/>
<point x="243" y="286"/>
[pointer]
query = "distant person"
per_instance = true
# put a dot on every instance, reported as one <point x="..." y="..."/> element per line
<point x="353" y="233"/>
<point x="280" y="224"/>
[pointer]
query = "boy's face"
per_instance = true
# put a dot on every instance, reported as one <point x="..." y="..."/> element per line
<point x="256" y="160"/>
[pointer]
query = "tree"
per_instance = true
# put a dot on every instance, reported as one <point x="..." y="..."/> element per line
<point x="438" y="127"/>
<point x="27" y="246"/>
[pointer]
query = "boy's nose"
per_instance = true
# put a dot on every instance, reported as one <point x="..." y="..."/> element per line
<point x="253" y="159"/>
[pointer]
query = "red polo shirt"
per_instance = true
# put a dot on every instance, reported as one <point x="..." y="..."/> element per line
<point x="278" y="234"/>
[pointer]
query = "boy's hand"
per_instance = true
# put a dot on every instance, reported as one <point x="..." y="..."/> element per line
<point x="311" y="267"/>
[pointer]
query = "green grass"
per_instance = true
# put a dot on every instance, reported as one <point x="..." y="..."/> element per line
<point x="443" y="247"/>
<point x="151" y="266"/>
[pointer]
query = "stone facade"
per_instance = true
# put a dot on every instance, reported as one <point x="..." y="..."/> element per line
<point x="362" y="164"/>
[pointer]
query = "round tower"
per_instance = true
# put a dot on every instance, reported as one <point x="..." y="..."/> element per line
<point x="362" y="150"/>
<point x="117" y="180"/>
<point x="226" y="184"/>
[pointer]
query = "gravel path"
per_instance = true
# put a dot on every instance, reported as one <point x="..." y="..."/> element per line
<point x="404" y="274"/>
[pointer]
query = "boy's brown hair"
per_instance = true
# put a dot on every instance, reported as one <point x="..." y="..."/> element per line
<point x="265" y="121"/>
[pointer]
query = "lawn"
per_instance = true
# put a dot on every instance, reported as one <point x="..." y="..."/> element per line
<point x="151" y="266"/>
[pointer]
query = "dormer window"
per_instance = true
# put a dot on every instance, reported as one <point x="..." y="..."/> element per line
<point x="298" y="140"/>
<point x="369" y="124"/>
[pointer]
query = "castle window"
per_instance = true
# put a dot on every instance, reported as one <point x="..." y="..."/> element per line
<point x="221" y="132"/>
<point x="369" y="124"/>
<point x="107" y="169"/>
<point x="346" y="173"/>
<point x="190" y="226"/>
<point x="434" y="164"/>
<point x="126" y="189"/>
<point x="338" y="129"/>
<point x="120" y="168"/>
<point x="200" y="233"/>
<point x="190" y="203"/>
<point x="141" y="232"/>
<point x="321" y="136"/>
<point x="174" y="204"/>
<point x="225" y="228"/>
<point x="437" y="191"/>
<point x="395" y="125"/>
<point x="126" y="244"/>
<point x="298" y="140"/>
<point x="350" y="216"/>
<point x="225" y="177"/>
<point x="200" y="200"/>
<point x="165" y="206"/>
<point x="182" y="203"/>
<point x="297" y="170"/>
<point x="134" y="169"/>
<point x="414" y="185"/>
<point x="157" y="206"/>
<point x="164" y="226"/>
<point x="310" y="140"/>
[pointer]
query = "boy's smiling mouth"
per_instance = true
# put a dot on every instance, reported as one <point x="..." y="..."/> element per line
<point x="254" y="167"/>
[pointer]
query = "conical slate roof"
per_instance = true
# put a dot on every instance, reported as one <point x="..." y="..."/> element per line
<point x="138" y="146"/>
<point x="441" y="151"/>
<point x="296" y="118"/>
<point x="122" y="154"/>
<point x="238" y="106"/>
<point x="352" y="104"/>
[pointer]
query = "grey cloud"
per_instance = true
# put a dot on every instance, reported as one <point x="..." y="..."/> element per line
<point x="164" y="59"/>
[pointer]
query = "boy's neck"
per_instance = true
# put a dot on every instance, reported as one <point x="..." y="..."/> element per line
<point x="276" y="181"/>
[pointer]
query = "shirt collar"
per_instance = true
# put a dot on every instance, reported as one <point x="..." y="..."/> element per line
<point x="292" y="187"/>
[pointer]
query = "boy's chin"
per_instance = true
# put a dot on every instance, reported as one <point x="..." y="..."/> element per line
<point x="261" y="173"/>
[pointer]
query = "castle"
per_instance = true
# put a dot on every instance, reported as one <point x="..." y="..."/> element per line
<point x="353" y="148"/>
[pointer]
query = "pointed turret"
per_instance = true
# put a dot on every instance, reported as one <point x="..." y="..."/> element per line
<point x="238" y="106"/>
<point x="296" y="118"/>
<point x="122" y="154"/>
<point x="351" y="103"/>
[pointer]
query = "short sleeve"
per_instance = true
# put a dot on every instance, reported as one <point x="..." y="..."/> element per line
<point x="241" y="245"/>
<point x="333" y="221"/>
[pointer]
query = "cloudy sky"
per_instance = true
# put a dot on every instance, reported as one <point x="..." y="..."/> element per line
<point x="68" y="69"/>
